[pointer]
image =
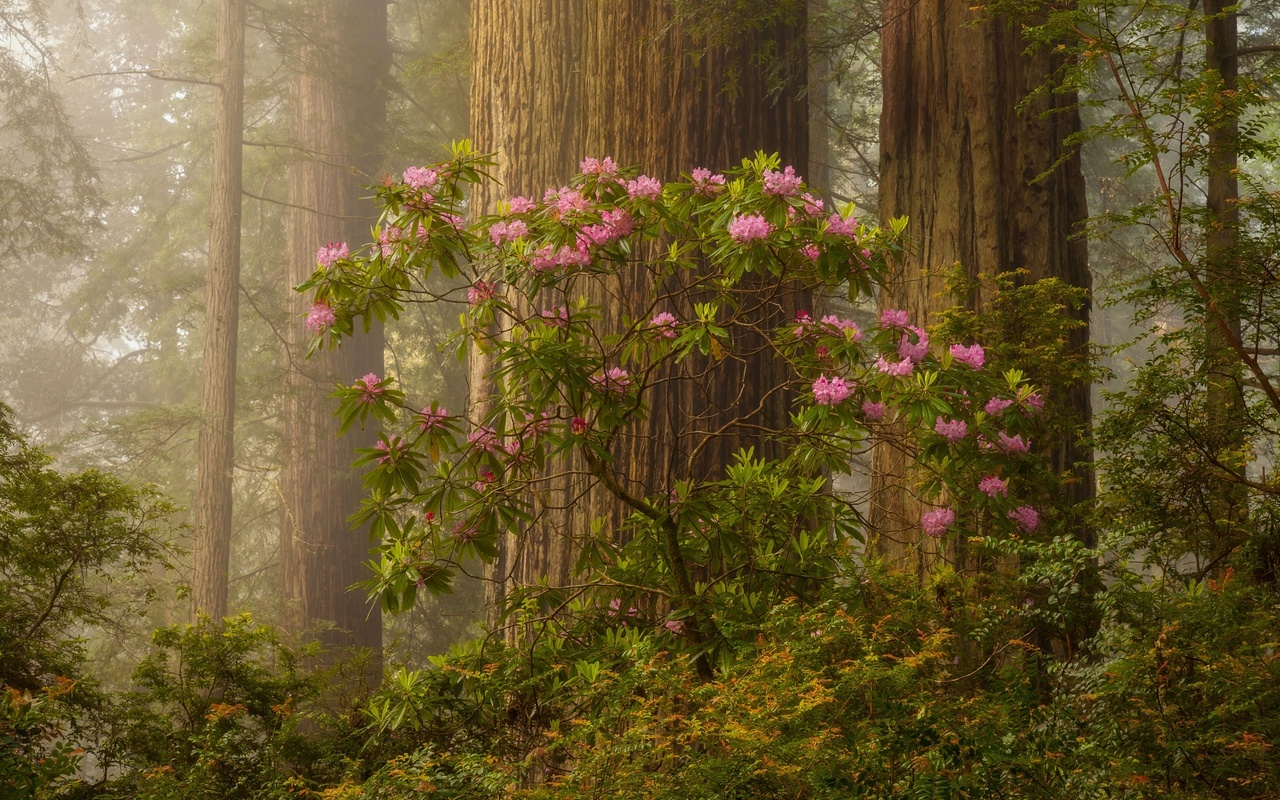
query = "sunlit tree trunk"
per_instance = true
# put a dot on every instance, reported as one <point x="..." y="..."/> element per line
<point x="556" y="80"/>
<point x="338" y="112"/>
<point x="215" y="448"/>
<point x="960" y="159"/>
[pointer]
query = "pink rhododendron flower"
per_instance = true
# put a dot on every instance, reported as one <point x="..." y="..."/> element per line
<point x="370" y="388"/>
<point x="805" y="321"/>
<point x="894" y="318"/>
<point x="895" y="368"/>
<point x="387" y="238"/>
<point x="390" y="449"/>
<point x="464" y="533"/>
<point x="430" y="420"/>
<point x="1025" y="518"/>
<point x="1013" y="444"/>
<point x="578" y="426"/>
<point x="873" y="411"/>
<point x="842" y="226"/>
<point x="481" y="292"/>
<point x="830" y="391"/>
<point x="614" y="380"/>
<point x="329" y="254"/>
<point x="813" y="206"/>
<point x="936" y="522"/>
<point x="603" y="168"/>
<point x="421" y="177"/>
<point x="484" y="438"/>
<point x="784" y="183"/>
<point x="567" y="201"/>
<point x="846" y="326"/>
<point x="665" y="323"/>
<point x="675" y="626"/>
<point x="971" y="355"/>
<point x="556" y="316"/>
<point x="996" y="406"/>
<point x="954" y="430"/>
<point x="811" y="252"/>
<point x="501" y="231"/>
<point x="916" y="351"/>
<point x="705" y="183"/>
<point x="749" y="227"/>
<point x="644" y="188"/>
<point x="320" y="317"/>
<point x="537" y="424"/>
<point x="1035" y="402"/>
<point x="520" y="205"/>
<point x="993" y="486"/>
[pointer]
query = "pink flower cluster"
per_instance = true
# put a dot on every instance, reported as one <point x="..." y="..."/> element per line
<point x="328" y="255"/>
<point x="873" y="411"/>
<point x="484" y="438"/>
<point x="370" y="388"/>
<point x="898" y="369"/>
<point x="503" y="231"/>
<point x="894" y="318"/>
<point x="749" y="227"/>
<point x="320" y="317"/>
<point x="1013" y="444"/>
<point x="556" y="316"/>
<point x="605" y="168"/>
<point x="813" y="206"/>
<point x="842" y="226"/>
<point x="547" y="258"/>
<point x="706" y="184"/>
<point x="391" y="449"/>
<point x="614" y="380"/>
<point x="615" y="224"/>
<point x="481" y="292"/>
<point x="665" y="324"/>
<point x="521" y="205"/>
<point x="830" y="391"/>
<point x="784" y="184"/>
<point x="996" y="406"/>
<point x="430" y="420"/>
<point x="916" y="351"/>
<point x="566" y="201"/>
<point x="1025" y="518"/>
<point x="993" y="486"/>
<point x="387" y="238"/>
<point x="936" y="522"/>
<point x="846" y="326"/>
<point x="971" y="355"/>
<point x="644" y="188"/>
<point x="953" y="430"/>
<point x="421" y="177"/>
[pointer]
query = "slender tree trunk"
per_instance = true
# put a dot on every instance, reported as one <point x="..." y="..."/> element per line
<point x="960" y="160"/>
<point x="556" y="80"/>
<point x="215" y="447"/>
<point x="1224" y="400"/>
<point x="338" y="113"/>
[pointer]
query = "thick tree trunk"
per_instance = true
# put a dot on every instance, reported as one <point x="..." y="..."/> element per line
<point x="338" y="113"/>
<point x="1224" y="400"/>
<point x="215" y="447"/>
<point x="960" y="160"/>
<point x="556" y="80"/>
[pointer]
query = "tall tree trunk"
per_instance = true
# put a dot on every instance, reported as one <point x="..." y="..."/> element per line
<point x="1224" y="400"/>
<point x="960" y="160"/>
<point x="556" y="80"/>
<point x="338" y="114"/>
<point x="215" y="447"/>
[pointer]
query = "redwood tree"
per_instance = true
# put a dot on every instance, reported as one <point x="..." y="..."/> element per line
<point x="554" y="81"/>
<point x="338" y="112"/>
<point x="965" y="159"/>
<point x="215" y="447"/>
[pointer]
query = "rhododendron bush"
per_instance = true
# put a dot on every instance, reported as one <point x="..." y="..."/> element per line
<point x="716" y="265"/>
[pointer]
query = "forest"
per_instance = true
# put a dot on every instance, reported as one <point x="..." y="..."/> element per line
<point x="640" y="399"/>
